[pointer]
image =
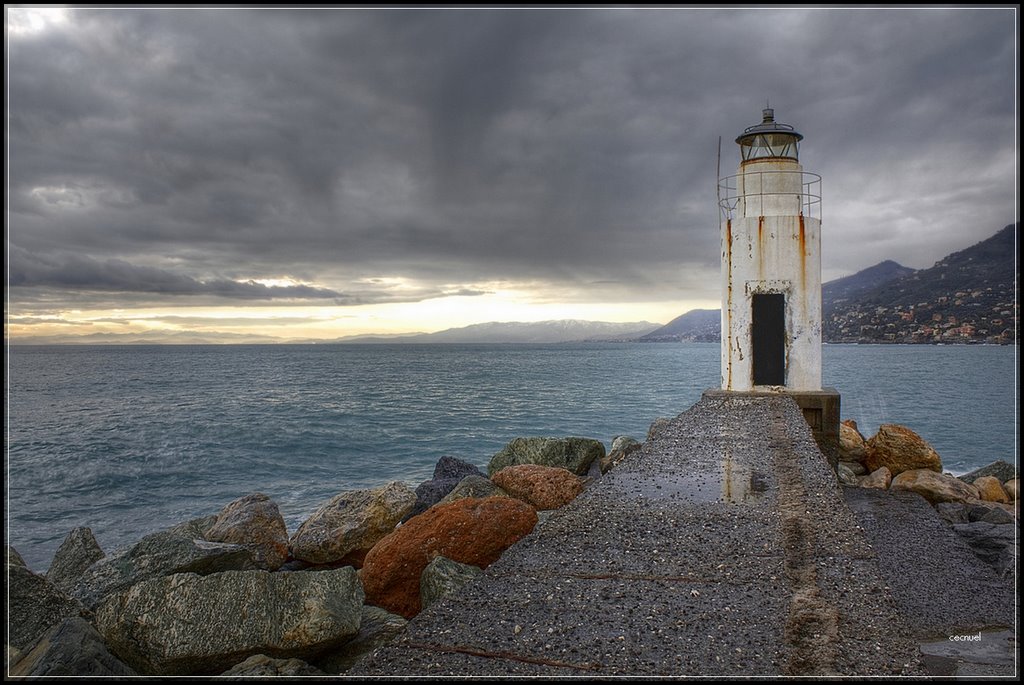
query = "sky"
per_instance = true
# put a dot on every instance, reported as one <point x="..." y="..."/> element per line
<point x="288" y="174"/>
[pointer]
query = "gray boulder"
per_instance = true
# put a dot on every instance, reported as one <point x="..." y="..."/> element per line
<point x="453" y="468"/>
<point x="78" y="552"/>
<point x="622" y="447"/>
<point x="261" y="665"/>
<point x="573" y="454"/>
<point x="70" y="648"/>
<point x="448" y="472"/>
<point x="473" y="486"/>
<point x="160" y="554"/>
<point x="952" y="512"/>
<point x="657" y="427"/>
<point x="254" y="522"/>
<point x="845" y="475"/>
<point x="351" y="523"/>
<point x="376" y="628"/>
<point x="34" y="606"/>
<point x="188" y="624"/>
<point x="442" y="576"/>
<point x="996" y="544"/>
<point x="999" y="469"/>
<point x="989" y="512"/>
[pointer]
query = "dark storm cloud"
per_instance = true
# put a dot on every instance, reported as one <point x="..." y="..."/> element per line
<point x="191" y="151"/>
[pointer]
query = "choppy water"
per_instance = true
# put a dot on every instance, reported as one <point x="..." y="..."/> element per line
<point x="130" y="439"/>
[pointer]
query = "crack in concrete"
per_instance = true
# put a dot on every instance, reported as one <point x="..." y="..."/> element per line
<point x="812" y="626"/>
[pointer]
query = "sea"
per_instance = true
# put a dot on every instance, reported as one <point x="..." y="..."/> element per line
<point x="128" y="440"/>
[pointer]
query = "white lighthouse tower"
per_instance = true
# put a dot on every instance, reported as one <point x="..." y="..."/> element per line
<point x="771" y="274"/>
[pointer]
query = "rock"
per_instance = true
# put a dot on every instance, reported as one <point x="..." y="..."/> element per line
<point x="34" y="605"/>
<point x="900" y="449"/>
<point x="952" y="512"/>
<point x="990" y="512"/>
<point x="376" y="628"/>
<point x="1000" y="469"/>
<point x="351" y="523"/>
<point x="990" y="489"/>
<point x="879" y="478"/>
<point x="574" y="454"/>
<point x="453" y="468"/>
<point x="934" y="487"/>
<point x="622" y="447"/>
<point x="855" y="467"/>
<point x="852" y="446"/>
<point x="78" y="552"/>
<point x="188" y="624"/>
<point x="70" y="648"/>
<point x="260" y="665"/>
<point x="657" y="427"/>
<point x="993" y="543"/>
<point x="194" y="529"/>
<point x="14" y="559"/>
<point x="254" y="522"/>
<point x="441" y="576"/>
<point x="845" y="475"/>
<point x="448" y="472"/>
<point x="470" y="531"/>
<point x="474" y="486"/>
<point x="542" y="487"/>
<point x="1010" y="487"/>
<point x="159" y="554"/>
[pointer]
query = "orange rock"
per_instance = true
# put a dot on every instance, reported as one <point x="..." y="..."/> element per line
<point x="470" y="531"/>
<point x="900" y="449"/>
<point x="990" y="489"/>
<point x="880" y="479"/>
<point x="851" y="442"/>
<point x="543" y="487"/>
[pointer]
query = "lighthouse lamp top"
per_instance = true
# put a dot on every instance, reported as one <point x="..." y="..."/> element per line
<point x="769" y="140"/>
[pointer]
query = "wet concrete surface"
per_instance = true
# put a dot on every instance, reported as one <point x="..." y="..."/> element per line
<point x="723" y="547"/>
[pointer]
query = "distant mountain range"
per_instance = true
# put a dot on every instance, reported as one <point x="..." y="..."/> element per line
<point x="557" y="331"/>
<point x="967" y="297"/>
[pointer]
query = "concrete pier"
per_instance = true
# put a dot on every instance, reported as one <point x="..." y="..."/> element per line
<point x="723" y="547"/>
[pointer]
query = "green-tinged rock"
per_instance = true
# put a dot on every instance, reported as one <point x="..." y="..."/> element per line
<point x="1000" y="469"/>
<point x="377" y="628"/>
<point x="70" y="648"/>
<point x="262" y="665"/>
<point x="254" y="522"/>
<point x="78" y="552"/>
<point x="34" y="606"/>
<point x="351" y="523"/>
<point x="442" y="576"/>
<point x="14" y="559"/>
<point x="845" y="474"/>
<point x="188" y="624"/>
<point x="160" y="554"/>
<point x="473" y="486"/>
<point x="574" y="454"/>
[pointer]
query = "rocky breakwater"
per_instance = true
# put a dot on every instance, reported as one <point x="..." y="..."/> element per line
<point x="232" y="594"/>
<point x="981" y="506"/>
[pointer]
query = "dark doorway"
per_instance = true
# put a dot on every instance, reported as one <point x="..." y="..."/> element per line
<point x="769" y="339"/>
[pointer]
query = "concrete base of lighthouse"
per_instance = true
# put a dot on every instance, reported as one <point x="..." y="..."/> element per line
<point x="821" y="410"/>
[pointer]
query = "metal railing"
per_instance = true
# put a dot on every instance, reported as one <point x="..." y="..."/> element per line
<point x="750" y="188"/>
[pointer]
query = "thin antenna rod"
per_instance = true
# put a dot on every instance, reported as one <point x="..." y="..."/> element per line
<point x="718" y="175"/>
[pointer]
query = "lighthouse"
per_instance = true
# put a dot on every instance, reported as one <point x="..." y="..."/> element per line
<point x="770" y="214"/>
